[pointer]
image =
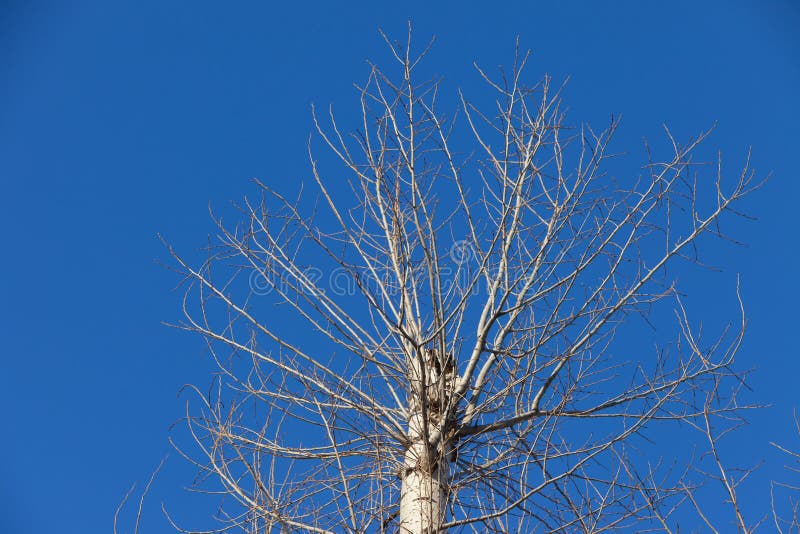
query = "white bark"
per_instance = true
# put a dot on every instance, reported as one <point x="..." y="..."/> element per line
<point x="426" y="469"/>
<point x="422" y="495"/>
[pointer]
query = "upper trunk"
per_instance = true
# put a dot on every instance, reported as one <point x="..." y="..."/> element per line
<point x="423" y="495"/>
<point x="426" y="467"/>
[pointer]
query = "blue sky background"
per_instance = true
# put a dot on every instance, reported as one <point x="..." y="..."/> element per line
<point x="119" y="120"/>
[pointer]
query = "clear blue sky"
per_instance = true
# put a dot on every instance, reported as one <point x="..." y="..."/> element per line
<point x="119" y="120"/>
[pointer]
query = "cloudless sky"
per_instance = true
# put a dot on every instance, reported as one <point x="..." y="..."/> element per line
<point x="121" y="120"/>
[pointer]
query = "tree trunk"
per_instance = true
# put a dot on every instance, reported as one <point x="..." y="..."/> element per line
<point x="426" y="469"/>
<point x="423" y="491"/>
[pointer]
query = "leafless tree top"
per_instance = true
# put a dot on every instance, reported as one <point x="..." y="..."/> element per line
<point x="429" y="341"/>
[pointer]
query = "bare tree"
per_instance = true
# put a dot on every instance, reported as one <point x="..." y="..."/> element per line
<point x="431" y="344"/>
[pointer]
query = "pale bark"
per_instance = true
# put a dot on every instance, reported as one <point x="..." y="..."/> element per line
<point x="426" y="465"/>
<point x="422" y="494"/>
